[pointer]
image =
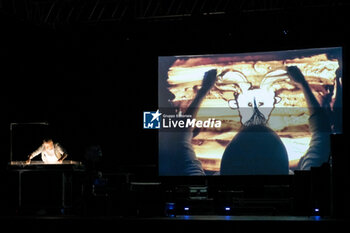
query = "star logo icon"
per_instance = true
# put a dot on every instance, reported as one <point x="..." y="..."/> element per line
<point x="151" y="120"/>
<point x="156" y="115"/>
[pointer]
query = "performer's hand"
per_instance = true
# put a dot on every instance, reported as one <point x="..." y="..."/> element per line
<point x="59" y="161"/>
<point x="209" y="80"/>
<point x="28" y="161"/>
<point x="296" y="75"/>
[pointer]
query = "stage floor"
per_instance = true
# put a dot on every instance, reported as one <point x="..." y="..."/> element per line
<point x="181" y="223"/>
<point x="247" y="218"/>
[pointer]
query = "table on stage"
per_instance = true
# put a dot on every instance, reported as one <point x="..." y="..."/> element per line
<point x="46" y="184"/>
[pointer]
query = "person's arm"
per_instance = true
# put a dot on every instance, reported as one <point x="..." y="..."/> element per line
<point x="63" y="157"/>
<point x="319" y="147"/>
<point x="35" y="153"/>
<point x="299" y="79"/>
<point x="62" y="152"/>
<point x="207" y="83"/>
<point x="186" y="158"/>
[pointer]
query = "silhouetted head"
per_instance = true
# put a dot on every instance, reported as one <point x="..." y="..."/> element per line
<point x="255" y="150"/>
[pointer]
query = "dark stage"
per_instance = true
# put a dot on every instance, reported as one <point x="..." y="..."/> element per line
<point x="180" y="223"/>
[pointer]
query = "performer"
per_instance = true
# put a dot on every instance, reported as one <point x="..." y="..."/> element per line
<point x="50" y="152"/>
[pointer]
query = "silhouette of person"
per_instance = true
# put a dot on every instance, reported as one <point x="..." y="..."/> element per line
<point x="257" y="149"/>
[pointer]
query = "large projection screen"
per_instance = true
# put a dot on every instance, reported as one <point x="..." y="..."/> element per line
<point x="246" y="82"/>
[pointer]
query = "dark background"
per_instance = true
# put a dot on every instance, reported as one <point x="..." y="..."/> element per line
<point x="91" y="77"/>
